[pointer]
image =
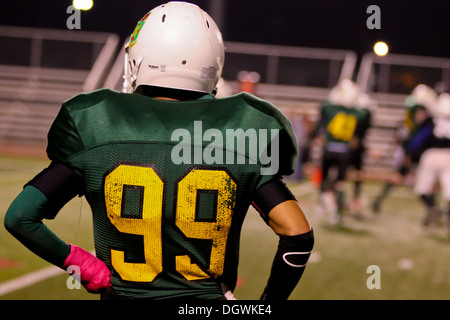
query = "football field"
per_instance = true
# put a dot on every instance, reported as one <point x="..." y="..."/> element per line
<point x="384" y="256"/>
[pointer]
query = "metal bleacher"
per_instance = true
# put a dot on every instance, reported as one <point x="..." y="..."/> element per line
<point x="41" y="68"/>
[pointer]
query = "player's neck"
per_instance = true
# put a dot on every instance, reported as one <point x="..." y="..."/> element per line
<point x="168" y="94"/>
<point x="166" y="98"/>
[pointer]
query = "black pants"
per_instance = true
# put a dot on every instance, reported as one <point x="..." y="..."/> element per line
<point x="330" y="159"/>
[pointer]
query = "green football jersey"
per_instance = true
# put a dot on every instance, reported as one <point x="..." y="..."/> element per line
<point x="341" y="124"/>
<point x="169" y="183"/>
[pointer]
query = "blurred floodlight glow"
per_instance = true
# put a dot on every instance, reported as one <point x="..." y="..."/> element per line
<point x="83" y="4"/>
<point x="381" y="48"/>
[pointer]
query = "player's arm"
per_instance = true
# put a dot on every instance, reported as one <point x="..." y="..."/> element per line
<point x="42" y="198"/>
<point x="279" y="208"/>
<point x="320" y="127"/>
<point x="360" y="132"/>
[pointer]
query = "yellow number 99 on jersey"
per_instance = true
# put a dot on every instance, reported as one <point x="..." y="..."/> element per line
<point x="149" y="225"/>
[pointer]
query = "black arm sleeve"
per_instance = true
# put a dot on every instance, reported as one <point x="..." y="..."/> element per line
<point x="59" y="184"/>
<point x="42" y="198"/>
<point x="269" y="195"/>
<point x="288" y="265"/>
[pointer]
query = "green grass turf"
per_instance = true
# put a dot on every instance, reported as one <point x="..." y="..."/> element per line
<point x="413" y="261"/>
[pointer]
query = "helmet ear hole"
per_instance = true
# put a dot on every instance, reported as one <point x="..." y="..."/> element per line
<point x="183" y="62"/>
<point x="207" y="23"/>
<point x="164" y="18"/>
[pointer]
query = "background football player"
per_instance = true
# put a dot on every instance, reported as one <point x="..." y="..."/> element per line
<point x="341" y="129"/>
<point x="164" y="230"/>
<point x="434" y="163"/>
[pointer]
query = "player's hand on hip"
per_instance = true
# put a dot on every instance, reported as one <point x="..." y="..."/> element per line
<point x="94" y="275"/>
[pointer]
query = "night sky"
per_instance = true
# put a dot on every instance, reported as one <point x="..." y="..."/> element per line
<point x="419" y="27"/>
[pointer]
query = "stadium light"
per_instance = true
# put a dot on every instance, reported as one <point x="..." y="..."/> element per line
<point x="381" y="48"/>
<point x="83" y="4"/>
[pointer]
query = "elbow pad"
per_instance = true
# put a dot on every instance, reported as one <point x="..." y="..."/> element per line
<point x="289" y="263"/>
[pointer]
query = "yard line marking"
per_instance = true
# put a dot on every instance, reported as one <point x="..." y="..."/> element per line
<point x="29" y="279"/>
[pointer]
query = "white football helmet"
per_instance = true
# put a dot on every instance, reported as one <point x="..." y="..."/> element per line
<point x="345" y="94"/>
<point x="364" y="101"/>
<point x="442" y="106"/>
<point x="422" y="95"/>
<point x="176" y="45"/>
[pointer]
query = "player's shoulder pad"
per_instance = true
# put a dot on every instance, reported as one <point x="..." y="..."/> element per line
<point x="288" y="146"/>
<point x="88" y="99"/>
<point x="64" y="137"/>
<point x="264" y="106"/>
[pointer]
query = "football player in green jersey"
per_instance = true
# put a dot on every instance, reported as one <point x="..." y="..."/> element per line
<point x="168" y="173"/>
<point x="341" y="127"/>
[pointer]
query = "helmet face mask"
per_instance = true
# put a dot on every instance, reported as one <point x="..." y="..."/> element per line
<point x="176" y="45"/>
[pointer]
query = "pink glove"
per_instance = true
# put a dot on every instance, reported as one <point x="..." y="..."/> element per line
<point x="94" y="274"/>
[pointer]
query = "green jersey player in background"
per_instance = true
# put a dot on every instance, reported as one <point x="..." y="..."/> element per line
<point x="340" y="129"/>
<point x="169" y="172"/>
